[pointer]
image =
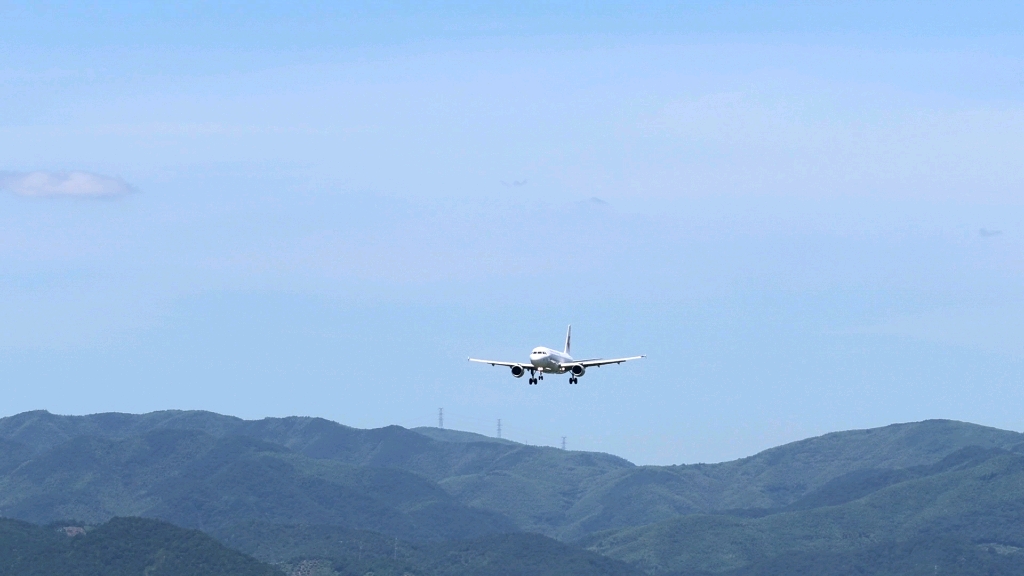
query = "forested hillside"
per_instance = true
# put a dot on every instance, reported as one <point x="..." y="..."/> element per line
<point x="306" y="491"/>
<point x="973" y="498"/>
<point x="120" y="547"/>
<point x="355" y="553"/>
<point x="200" y="481"/>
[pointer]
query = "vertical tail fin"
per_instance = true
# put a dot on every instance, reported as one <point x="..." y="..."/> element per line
<point x="568" y="340"/>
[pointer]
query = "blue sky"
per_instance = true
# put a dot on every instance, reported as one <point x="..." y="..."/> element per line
<point x="809" y="216"/>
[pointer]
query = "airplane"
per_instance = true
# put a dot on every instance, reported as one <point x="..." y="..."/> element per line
<point x="545" y="360"/>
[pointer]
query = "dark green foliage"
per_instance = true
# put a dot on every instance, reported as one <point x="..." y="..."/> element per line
<point x="518" y="555"/>
<point x="860" y="483"/>
<point x="921" y="557"/>
<point x="533" y="486"/>
<point x="773" y="479"/>
<point x="292" y="490"/>
<point x="200" y="481"/>
<point x="282" y="543"/>
<point x="121" y="547"/>
<point x="355" y="553"/>
<point x="975" y="496"/>
<point x="567" y="495"/>
<point x="12" y="455"/>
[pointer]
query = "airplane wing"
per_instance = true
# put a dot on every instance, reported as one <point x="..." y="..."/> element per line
<point x="602" y="362"/>
<point x="526" y="365"/>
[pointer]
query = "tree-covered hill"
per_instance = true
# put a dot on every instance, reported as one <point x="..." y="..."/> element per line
<point x="564" y="494"/>
<point x="772" y="479"/>
<point x="200" y="481"/>
<point x="355" y="553"/>
<point x="120" y="547"/>
<point x="921" y="557"/>
<point x="973" y="499"/>
<point x="527" y="484"/>
<point x="297" y="489"/>
<point x="146" y="547"/>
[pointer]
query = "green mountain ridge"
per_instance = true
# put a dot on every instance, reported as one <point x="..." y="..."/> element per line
<point x="196" y="480"/>
<point x="355" y="553"/>
<point x="458" y="436"/>
<point x="826" y="497"/>
<point x="120" y="547"/>
<point x="563" y="494"/>
<point x="976" y="496"/>
<point x="924" y="557"/>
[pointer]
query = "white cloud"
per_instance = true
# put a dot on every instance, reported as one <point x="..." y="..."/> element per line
<point x="69" y="184"/>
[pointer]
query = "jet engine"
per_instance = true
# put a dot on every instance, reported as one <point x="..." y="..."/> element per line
<point x="518" y="371"/>
<point x="578" y="370"/>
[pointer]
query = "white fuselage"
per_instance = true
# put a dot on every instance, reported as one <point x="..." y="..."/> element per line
<point x="550" y="361"/>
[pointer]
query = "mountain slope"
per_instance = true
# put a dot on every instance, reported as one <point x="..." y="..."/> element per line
<point x="533" y="486"/>
<point x="356" y="553"/>
<point x="925" y="556"/>
<point x="976" y="497"/>
<point x="121" y="547"/>
<point x="466" y="484"/>
<point x="772" y="479"/>
<point x="197" y="480"/>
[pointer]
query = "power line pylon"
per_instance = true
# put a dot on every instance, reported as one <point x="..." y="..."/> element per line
<point x="440" y="417"/>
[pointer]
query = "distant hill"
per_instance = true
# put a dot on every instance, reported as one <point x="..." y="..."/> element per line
<point x="830" y="495"/>
<point x="973" y="499"/>
<point x="922" y="556"/>
<point x="448" y="435"/>
<point x="523" y="487"/>
<point x="564" y="494"/>
<point x="122" y="546"/>
<point x="356" y="553"/>
<point x="200" y="481"/>
<point x="771" y="479"/>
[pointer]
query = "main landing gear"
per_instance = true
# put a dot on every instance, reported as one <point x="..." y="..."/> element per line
<point x="574" y="380"/>
<point x="533" y="380"/>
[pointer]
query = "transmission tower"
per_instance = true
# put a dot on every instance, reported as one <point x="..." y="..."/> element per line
<point x="440" y="417"/>
<point x="563" y="442"/>
<point x="499" y="427"/>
